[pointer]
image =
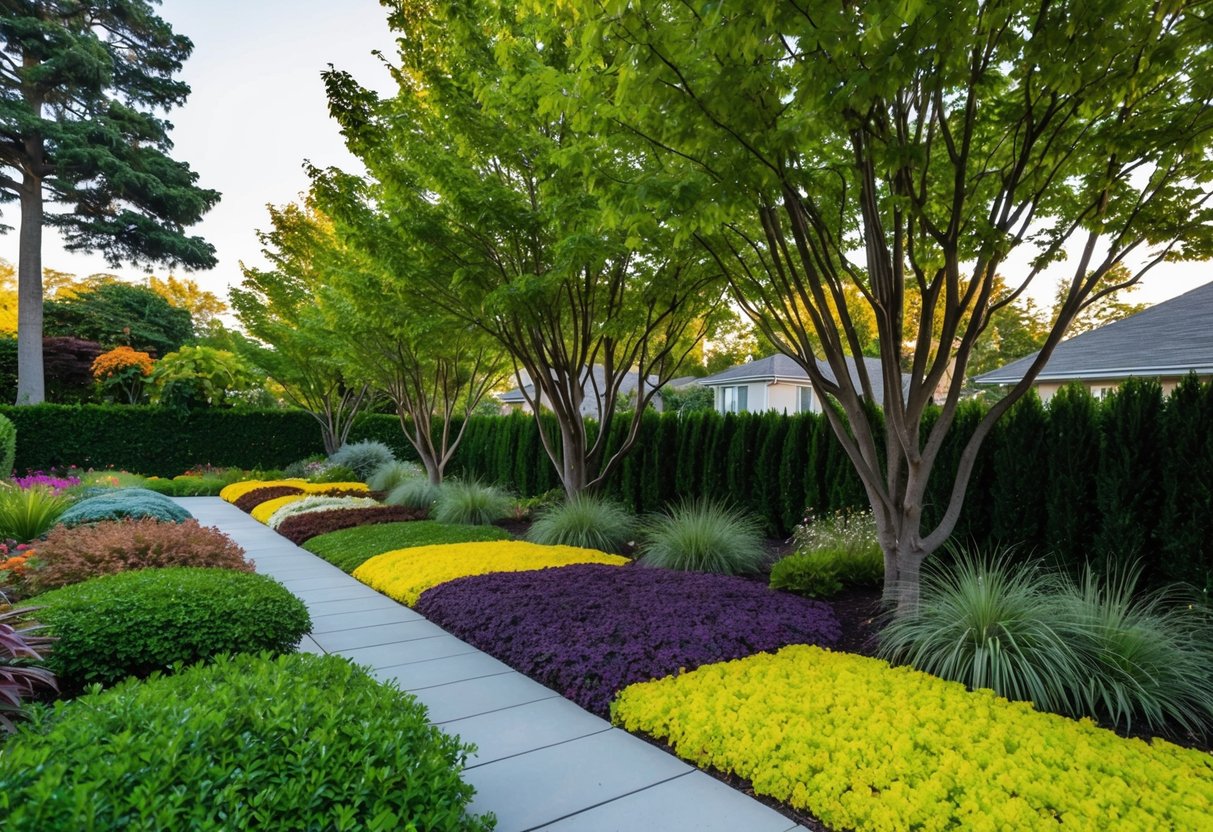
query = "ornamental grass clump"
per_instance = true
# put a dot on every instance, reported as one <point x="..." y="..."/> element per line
<point x="134" y="623"/>
<point x="317" y="503"/>
<point x="589" y="631"/>
<point x="407" y="573"/>
<point x="22" y="648"/>
<point x="472" y="503"/>
<point x="71" y="555"/>
<point x="586" y="521"/>
<point x="348" y="549"/>
<point x="245" y="743"/>
<point x="702" y="536"/>
<point x="123" y="503"/>
<point x="835" y="552"/>
<point x="362" y="457"/>
<point x="28" y="513"/>
<point x="991" y="623"/>
<point x="416" y="493"/>
<point x="387" y="476"/>
<point x="867" y="747"/>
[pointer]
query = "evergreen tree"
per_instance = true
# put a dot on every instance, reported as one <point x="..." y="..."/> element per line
<point x="85" y="87"/>
<point x="798" y="469"/>
<point x="1071" y="518"/>
<point x="1185" y="531"/>
<point x="1020" y="468"/>
<point x="767" y="493"/>
<point x="688" y="476"/>
<point x="120" y="314"/>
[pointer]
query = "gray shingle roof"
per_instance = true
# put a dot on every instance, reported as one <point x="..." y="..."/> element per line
<point x="780" y="367"/>
<point x="1172" y="338"/>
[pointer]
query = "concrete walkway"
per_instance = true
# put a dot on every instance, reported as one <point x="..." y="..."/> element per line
<point x="543" y="762"/>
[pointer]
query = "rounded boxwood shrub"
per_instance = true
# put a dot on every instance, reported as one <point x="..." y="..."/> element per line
<point x="134" y="623"/>
<point x="71" y="555"/>
<point x="249" y="742"/>
<point x="125" y="502"/>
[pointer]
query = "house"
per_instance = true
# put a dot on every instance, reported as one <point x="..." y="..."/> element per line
<point x="1167" y="342"/>
<point x="590" y="408"/>
<point x="779" y="383"/>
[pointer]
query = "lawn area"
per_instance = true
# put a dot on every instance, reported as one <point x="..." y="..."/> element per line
<point x="348" y="549"/>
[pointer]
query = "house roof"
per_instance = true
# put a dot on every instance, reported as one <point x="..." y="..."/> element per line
<point x="627" y="386"/>
<point x="779" y="367"/>
<point x="1174" y="337"/>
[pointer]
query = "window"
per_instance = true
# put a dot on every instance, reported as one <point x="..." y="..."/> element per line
<point x="804" y="403"/>
<point x="734" y="399"/>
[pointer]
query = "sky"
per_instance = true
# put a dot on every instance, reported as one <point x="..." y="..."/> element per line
<point x="258" y="110"/>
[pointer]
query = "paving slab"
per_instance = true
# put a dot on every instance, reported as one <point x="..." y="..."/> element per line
<point x="357" y="618"/>
<point x="529" y="790"/>
<point x="693" y="801"/>
<point x="523" y="728"/>
<point x="326" y="608"/>
<point x="444" y="671"/>
<point x="480" y="696"/>
<point x="373" y="636"/>
<point x="312" y="581"/>
<point x="335" y="592"/>
<point x="405" y="652"/>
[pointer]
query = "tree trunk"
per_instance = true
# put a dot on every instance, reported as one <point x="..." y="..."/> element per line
<point x="910" y="556"/>
<point x="572" y="473"/>
<point x="31" y="386"/>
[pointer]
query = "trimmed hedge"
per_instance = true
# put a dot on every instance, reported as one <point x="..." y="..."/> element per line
<point x="134" y="623"/>
<point x="247" y="743"/>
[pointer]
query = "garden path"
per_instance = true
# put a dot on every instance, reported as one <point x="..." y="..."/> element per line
<point x="543" y="762"/>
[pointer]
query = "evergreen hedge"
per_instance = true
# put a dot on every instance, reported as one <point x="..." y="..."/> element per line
<point x="1129" y="478"/>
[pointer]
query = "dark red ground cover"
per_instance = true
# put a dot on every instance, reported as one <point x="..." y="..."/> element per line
<point x="251" y="499"/>
<point x="589" y="631"/>
<point x="303" y="527"/>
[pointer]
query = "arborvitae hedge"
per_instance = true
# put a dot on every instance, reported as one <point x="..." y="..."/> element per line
<point x="1078" y="480"/>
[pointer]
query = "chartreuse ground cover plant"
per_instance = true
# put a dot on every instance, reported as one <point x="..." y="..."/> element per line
<point x="589" y="630"/>
<point x="833" y="553"/>
<point x="264" y="511"/>
<point x="317" y="503"/>
<point x="70" y="555"/>
<point x="864" y="746"/>
<point x="348" y="549"/>
<point x="121" y="503"/>
<point x="703" y="536"/>
<point x="407" y="573"/>
<point x="27" y="513"/>
<point x="245" y="743"/>
<point x="134" y="623"/>
<point x="587" y="521"/>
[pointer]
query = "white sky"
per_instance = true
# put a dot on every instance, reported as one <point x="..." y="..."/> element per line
<point x="258" y="110"/>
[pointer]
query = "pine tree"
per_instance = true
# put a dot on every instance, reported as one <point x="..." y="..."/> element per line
<point x="1020" y="468"/>
<point x="1071" y="518"/>
<point x="1185" y="530"/>
<point x="798" y="467"/>
<point x="85" y="88"/>
<point x="767" y="492"/>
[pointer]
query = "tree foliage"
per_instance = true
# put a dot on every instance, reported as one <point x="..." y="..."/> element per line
<point x="886" y="149"/>
<point x="85" y="86"/>
<point x="120" y="314"/>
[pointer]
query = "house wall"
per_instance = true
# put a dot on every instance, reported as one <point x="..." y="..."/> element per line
<point x="761" y="396"/>
<point x="1100" y="388"/>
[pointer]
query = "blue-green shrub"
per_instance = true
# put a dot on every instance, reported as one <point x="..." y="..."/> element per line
<point x="362" y="457"/>
<point x="125" y="502"/>
<point x="134" y="623"/>
<point x="249" y="742"/>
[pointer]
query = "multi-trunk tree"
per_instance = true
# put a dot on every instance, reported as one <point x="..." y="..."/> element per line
<point x="512" y="209"/>
<point x="83" y="89"/>
<point x="838" y="158"/>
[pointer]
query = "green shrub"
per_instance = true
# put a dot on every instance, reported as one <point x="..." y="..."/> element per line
<point x="362" y="457"/>
<point x="28" y="513"/>
<point x="416" y="493"/>
<point x="390" y="474"/>
<point x="335" y="473"/>
<point x="249" y="742"/>
<point x="348" y="549"/>
<point x="134" y="623"/>
<point x="832" y="553"/>
<point x="1148" y="656"/>
<point x="8" y="446"/>
<point x="124" y="502"/>
<point x="473" y="503"/>
<point x="186" y="486"/>
<point x="587" y="522"/>
<point x="702" y="536"/>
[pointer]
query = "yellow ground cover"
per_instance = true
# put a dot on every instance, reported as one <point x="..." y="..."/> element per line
<point x="263" y="511"/>
<point x="872" y="748"/>
<point x="406" y="573"/>
<point x="232" y="493"/>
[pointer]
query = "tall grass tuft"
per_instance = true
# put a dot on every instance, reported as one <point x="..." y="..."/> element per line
<point x="362" y="457"/>
<point x="388" y="475"/>
<point x="29" y="513"/>
<point x="585" y="521"/>
<point x="415" y="493"/>
<point x="702" y="536"/>
<point x="993" y="624"/>
<point x="471" y="503"/>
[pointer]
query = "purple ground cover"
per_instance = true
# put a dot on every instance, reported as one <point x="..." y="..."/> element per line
<point x="589" y="631"/>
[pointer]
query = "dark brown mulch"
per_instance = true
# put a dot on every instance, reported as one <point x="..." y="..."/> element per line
<point x="517" y="528"/>
<point x="861" y="615"/>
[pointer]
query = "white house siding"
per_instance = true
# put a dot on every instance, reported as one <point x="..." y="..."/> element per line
<point x="1099" y="388"/>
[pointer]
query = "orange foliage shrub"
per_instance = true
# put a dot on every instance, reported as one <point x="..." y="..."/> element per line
<point x="119" y="359"/>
